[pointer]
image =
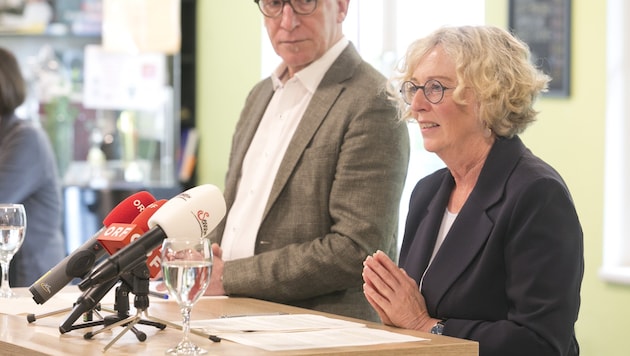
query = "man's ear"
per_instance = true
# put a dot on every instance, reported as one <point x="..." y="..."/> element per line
<point x="342" y="10"/>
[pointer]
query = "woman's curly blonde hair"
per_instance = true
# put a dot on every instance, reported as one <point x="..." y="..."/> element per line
<point x="490" y="61"/>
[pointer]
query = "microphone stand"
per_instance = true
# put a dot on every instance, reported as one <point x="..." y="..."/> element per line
<point x="85" y="305"/>
<point x="141" y="303"/>
<point x="89" y="314"/>
<point x="32" y="317"/>
<point x="136" y="282"/>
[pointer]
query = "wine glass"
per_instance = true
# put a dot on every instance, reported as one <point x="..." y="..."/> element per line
<point x="12" y="228"/>
<point x="186" y="269"/>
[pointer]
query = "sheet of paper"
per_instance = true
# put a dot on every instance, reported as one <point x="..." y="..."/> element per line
<point x="279" y="341"/>
<point x="296" y="331"/>
<point x="267" y="323"/>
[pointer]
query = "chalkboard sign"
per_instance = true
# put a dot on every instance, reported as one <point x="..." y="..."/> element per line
<point x="545" y="25"/>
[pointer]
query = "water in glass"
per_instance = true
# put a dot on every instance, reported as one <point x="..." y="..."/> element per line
<point x="12" y="229"/>
<point x="186" y="268"/>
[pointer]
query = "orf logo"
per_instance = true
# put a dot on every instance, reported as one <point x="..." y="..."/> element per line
<point x="138" y="204"/>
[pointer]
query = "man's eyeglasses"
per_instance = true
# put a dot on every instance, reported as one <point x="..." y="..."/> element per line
<point x="432" y="90"/>
<point x="273" y="8"/>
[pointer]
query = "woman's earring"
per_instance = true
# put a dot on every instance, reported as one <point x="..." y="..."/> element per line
<point x="487" y="132"/>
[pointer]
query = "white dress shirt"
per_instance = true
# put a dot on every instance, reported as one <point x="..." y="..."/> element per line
<point x="260" y="165"/>
<point x="447" y="222"/>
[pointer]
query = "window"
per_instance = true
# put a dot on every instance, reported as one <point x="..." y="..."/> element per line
<point x="382" y="30"/>
<point x="616" y="259"/>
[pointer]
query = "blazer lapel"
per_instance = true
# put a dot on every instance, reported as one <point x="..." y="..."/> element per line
<point x="416" y="253"/>
<point x="323" y="99"/>
<point x="466" y="237"/>
<point x="472" y="227"/>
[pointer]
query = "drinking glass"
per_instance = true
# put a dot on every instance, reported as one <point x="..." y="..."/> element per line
<point x="186" y="268"/>
<point x="12" y="228"/>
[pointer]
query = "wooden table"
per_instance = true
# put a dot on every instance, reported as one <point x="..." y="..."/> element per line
<point x="42" y="337"/>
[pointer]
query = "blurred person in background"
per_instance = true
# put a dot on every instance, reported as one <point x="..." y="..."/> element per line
<point x="28" y="176"/>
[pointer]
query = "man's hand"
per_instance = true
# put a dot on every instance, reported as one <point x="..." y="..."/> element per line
<point x="216" y="279"/>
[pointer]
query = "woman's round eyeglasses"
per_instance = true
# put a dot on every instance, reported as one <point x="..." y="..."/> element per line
<point x="433" y="91"/>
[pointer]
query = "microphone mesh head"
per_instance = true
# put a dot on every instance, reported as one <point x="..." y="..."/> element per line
<point x="127" y="210"/>
<point x="191" y="214"/>
<point x="142" y="220"/>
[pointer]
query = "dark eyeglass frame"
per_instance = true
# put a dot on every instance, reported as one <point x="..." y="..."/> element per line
<point x="290" y="2"/>
<point x="408" y="91"/>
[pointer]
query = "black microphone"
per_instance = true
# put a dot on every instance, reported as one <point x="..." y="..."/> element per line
<point x="85" y="303"/>
<point x="117" y="236"/>
<point x="190" y="215"/>
<point x="82" y="260"/>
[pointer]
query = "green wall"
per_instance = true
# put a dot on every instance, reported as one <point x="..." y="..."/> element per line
<point x="228" y="65"/>
<point x="569" y="134"/>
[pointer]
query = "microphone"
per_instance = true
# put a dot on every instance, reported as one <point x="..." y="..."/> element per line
<point x="192" y="214"/>
<point x="85" y="303"/>
<point x="81" y="261"/>
<point x="116" y="236"/>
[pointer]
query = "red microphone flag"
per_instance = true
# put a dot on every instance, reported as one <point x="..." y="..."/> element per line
<point x="116" y="236"/>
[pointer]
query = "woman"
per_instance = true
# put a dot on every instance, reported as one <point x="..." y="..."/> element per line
<point x="493" y="248"/>
<point x="28" y="175"/>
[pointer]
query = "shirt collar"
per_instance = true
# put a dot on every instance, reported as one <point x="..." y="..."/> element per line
<point x="314" y="72"/>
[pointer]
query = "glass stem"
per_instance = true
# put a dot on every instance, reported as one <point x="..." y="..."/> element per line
<point x="5" y="276"/>
<point x="186" y="323"/>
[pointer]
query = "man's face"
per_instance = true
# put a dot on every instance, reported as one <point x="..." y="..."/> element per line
<point x="301" y="39"/>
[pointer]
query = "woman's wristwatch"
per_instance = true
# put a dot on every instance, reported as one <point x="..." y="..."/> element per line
<point x="438" y="328"/>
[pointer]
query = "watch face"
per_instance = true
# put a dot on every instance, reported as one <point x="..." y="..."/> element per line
<point x="437" y="328"/>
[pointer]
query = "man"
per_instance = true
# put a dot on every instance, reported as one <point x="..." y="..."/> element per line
<point x="316" y="170"/>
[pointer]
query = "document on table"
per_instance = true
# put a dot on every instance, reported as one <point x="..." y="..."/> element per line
<point x="271" y="322"/>
<point x="297" y="331"/>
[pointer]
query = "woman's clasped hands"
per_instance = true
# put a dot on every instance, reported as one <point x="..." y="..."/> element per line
<point x="394" y="295"/>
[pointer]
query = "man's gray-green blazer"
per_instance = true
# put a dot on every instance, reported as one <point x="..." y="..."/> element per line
<point x="335" y="198"/>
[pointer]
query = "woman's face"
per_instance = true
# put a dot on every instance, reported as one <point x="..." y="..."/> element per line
<point x="448" y="129"/>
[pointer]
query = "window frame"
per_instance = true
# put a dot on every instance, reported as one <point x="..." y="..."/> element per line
<point x="615" y="266"/>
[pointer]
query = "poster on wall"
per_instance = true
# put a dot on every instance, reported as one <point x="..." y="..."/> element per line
<point x="545" y="25"/>
<point x="119" y="80"/>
